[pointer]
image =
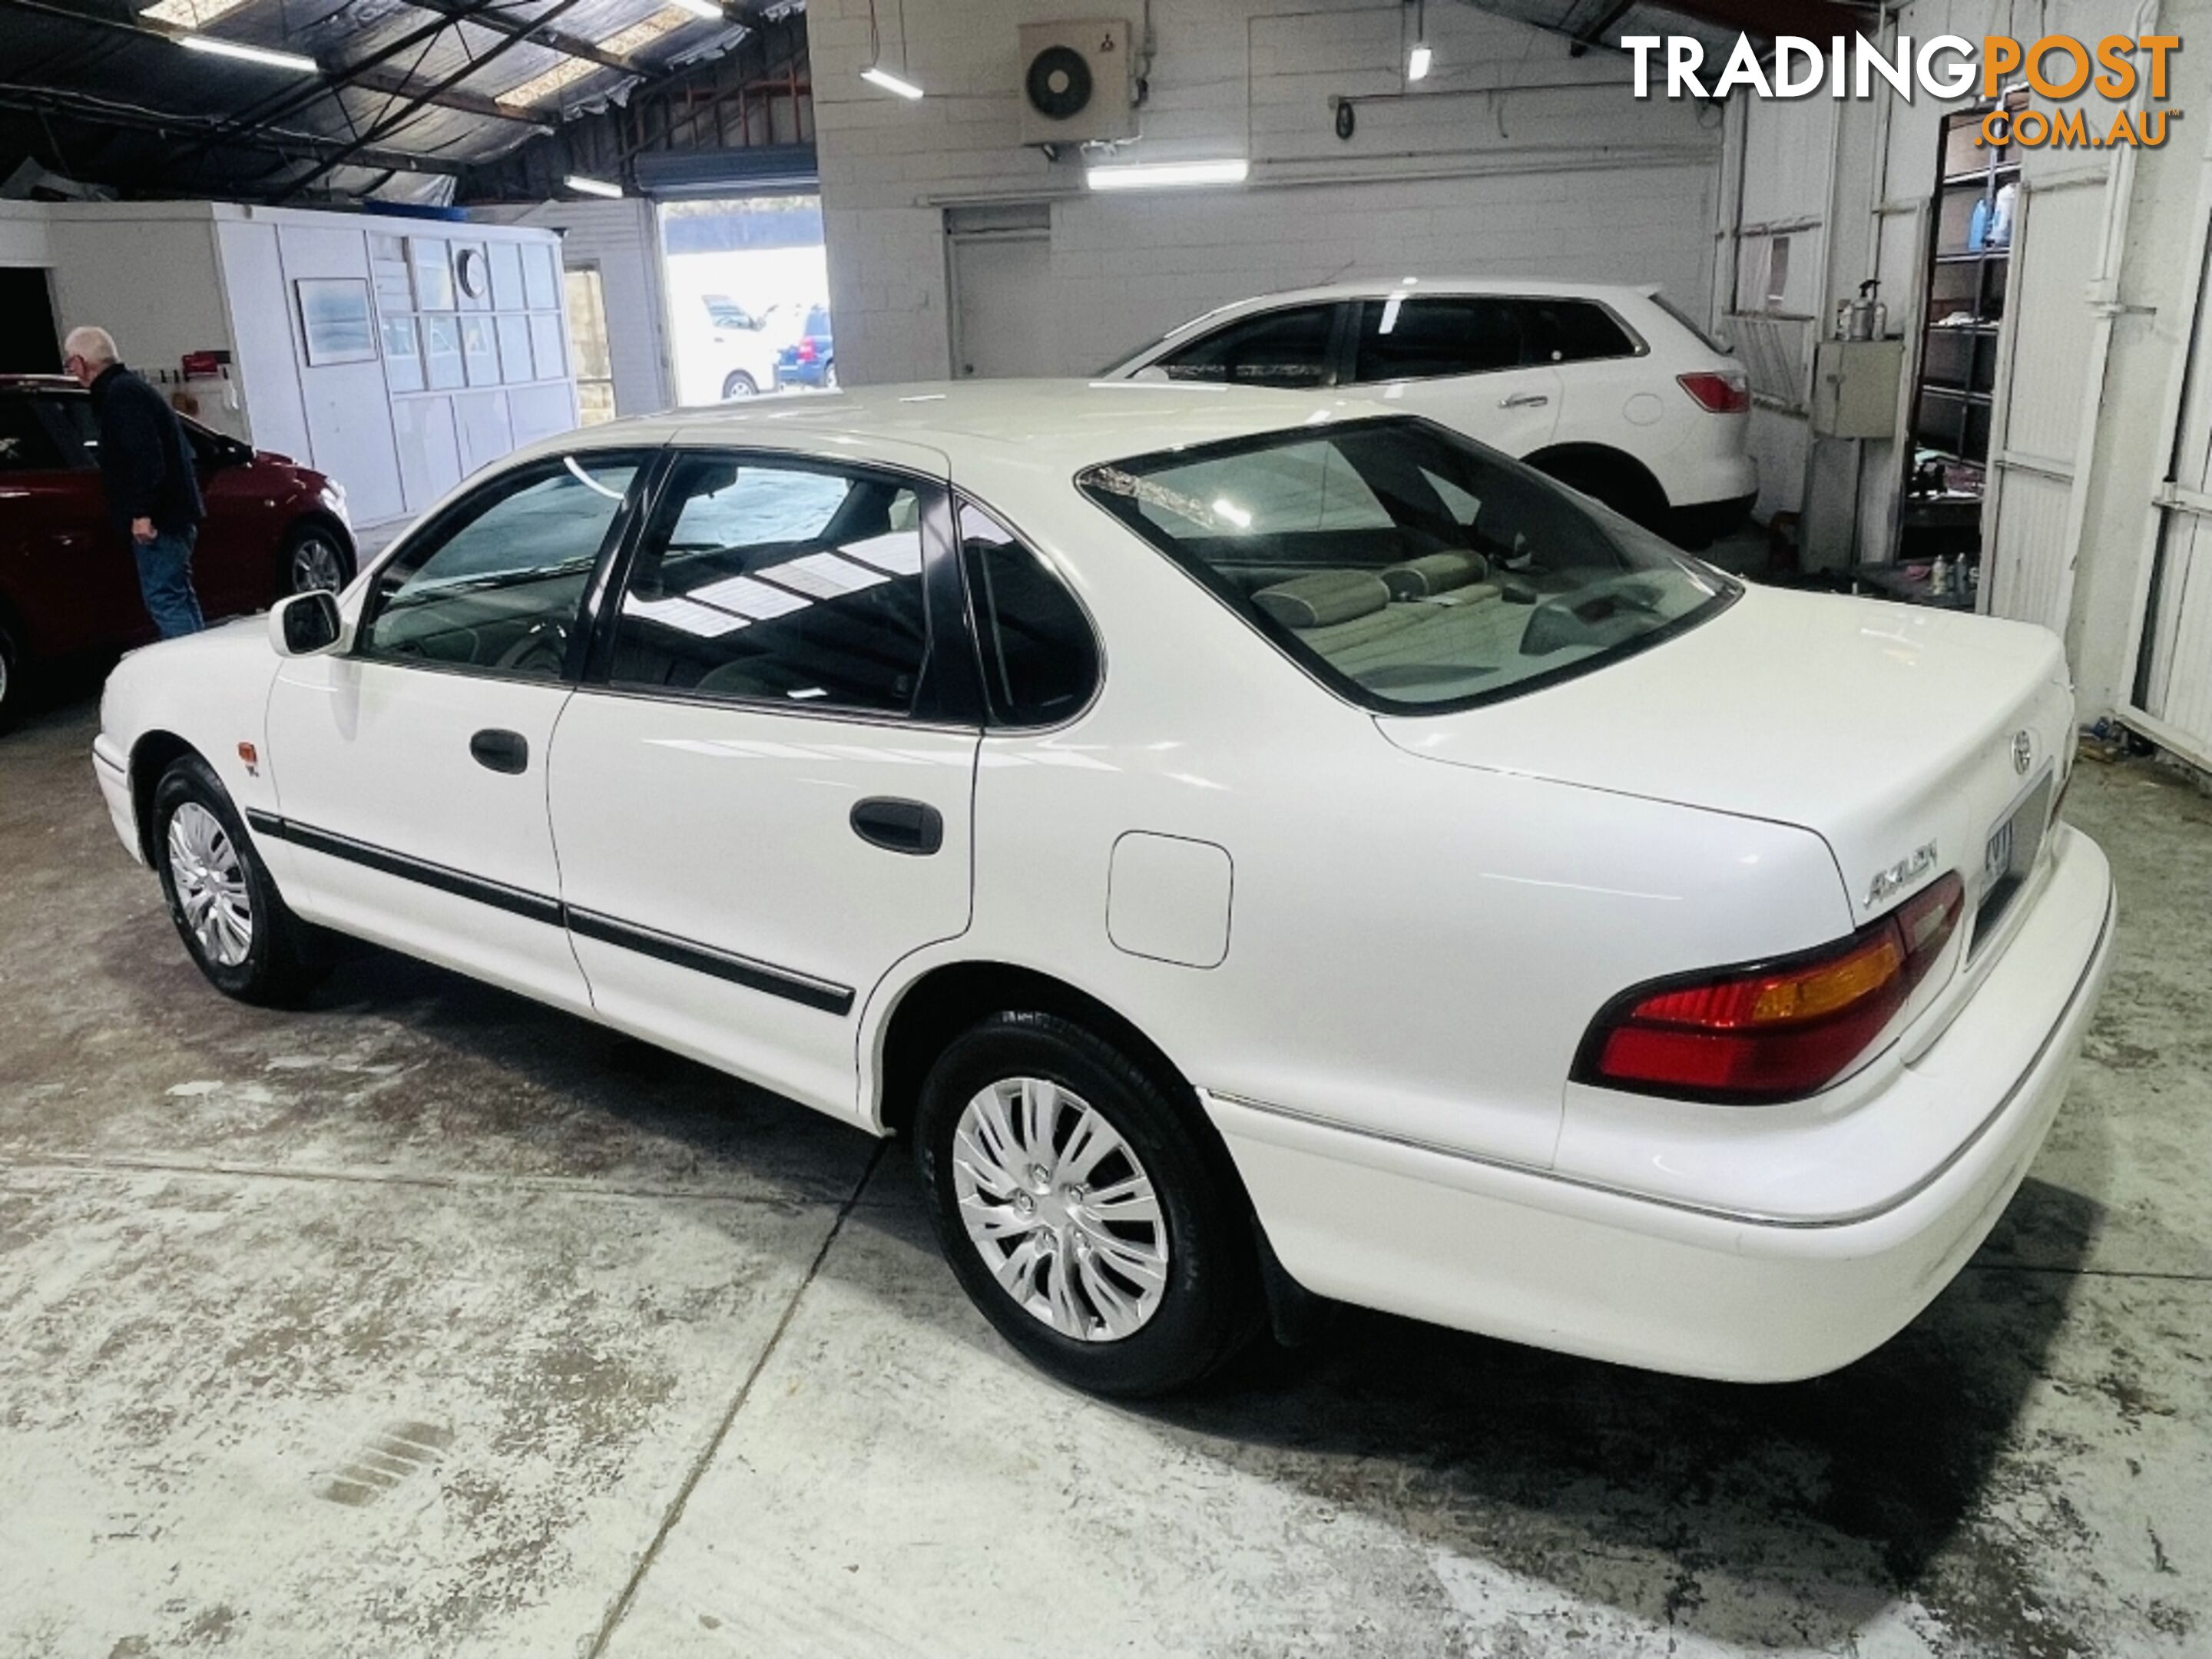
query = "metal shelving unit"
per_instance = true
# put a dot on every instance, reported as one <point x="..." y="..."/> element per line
<point x="1956" y="367"/>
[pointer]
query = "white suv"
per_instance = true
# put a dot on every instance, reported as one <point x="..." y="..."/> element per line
<point x="1611" y="390"/>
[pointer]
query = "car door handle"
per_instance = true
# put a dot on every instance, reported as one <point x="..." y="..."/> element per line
<point x="899" y="826"/>
<point x="1524" y="400"/>
<point x="502" y="751"/>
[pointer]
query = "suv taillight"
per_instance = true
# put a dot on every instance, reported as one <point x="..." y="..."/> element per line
<point x="1719" y="394"/>
<point x="1775" y="1031"/>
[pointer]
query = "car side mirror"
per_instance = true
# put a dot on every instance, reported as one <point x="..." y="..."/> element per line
<point x="306" y="624"/>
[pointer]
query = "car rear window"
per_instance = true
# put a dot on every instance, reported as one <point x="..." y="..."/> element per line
<point x="1409" y="569"/>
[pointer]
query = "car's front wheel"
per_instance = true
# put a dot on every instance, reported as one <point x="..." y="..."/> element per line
<point x="222" y="898"/>
<point x="315" y="558"/>
<point x="1079" y="1209"/>
<point x="11" y="670"/>
<point x="738" y="385"/>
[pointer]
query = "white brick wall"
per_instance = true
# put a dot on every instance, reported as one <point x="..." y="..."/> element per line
<point x="1513" y="158"/>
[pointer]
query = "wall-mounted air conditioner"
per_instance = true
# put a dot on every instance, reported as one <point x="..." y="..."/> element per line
<point x="1076" y="82"/>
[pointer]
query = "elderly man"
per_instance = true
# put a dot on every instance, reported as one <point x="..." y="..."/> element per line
<point x="146" y="469"/>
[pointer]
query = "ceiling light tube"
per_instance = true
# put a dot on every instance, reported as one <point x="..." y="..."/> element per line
<point x="587" y="187"/>
<point x="705" y="9"/>
<point x="876" y="76"/>
<point x="1166" y="175"/>
<point x="1416" y="62"/>
<point x="238" y="49"/>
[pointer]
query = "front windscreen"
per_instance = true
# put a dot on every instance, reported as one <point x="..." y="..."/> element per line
<point x="1410" y="568"/>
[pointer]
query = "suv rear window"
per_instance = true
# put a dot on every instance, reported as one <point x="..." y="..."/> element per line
<point x="1406" y="566"/>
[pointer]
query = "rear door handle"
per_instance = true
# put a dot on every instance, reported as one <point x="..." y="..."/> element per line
<point x="502" y="751"/>
<point x="898" y="826"/>
<point x="1524" y="400"/>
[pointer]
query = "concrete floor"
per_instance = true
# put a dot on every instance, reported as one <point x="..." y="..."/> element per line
<point x="425" y="1322"/>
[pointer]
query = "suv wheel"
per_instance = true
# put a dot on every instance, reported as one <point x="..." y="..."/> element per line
<point x="225" y="906"/>
<point x="1079" y="1210"/>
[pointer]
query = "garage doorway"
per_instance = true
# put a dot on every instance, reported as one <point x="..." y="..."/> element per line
<point x="1003" y="319"/>
<point x="747" y="280"/>
<point x="30" y="343"/>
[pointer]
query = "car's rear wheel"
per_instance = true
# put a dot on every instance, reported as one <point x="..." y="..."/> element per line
<point x="738" y="385"/>
<point x="222" y="898"/>
<point x="315" y="558"/>
<point x="1080" y="1211"/>
<point x="1617" y="485"/>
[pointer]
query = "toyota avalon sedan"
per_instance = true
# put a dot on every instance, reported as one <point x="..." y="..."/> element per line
<point x="1252" y="845"/>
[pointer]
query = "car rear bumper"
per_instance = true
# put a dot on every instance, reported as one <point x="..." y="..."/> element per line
<point x="1534" y="1257"/>
<point x="112" y="768"/>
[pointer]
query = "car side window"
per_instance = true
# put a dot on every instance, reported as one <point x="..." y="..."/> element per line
<point x="1572" y="332"/>
<point x="498" y="587"/>
<point x="69" y="421"/>
<point x="1406" y="337"/>
<point x="1039" y="661"/>
<point x="777" y="581"/>
<point x="26" y="446"/>
<point x="1279" y="348"/>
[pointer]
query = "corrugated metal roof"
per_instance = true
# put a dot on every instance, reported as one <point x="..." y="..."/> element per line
<point x="88" y="90"/>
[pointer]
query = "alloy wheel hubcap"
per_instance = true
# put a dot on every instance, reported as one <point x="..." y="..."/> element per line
<point x="1056" y="1204"/>
<point x="315" y="565"/>
<point x="210" y="882"/>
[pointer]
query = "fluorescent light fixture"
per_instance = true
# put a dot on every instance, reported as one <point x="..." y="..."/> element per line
<point x="584" y="186"/>
<point x="705" y="9"/>
<point x="1166" y="175"/>
<point x="1416" y="62"/>
<point x="876" y="76"/>
<point x="263" y="55"/>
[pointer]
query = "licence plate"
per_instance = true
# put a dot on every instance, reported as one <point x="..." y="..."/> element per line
<point x="2007" y="857"/>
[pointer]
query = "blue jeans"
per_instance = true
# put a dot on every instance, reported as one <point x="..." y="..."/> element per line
<point x="165" y="577"/>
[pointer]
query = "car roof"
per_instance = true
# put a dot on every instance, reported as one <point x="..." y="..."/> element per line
<point x="1059" y="424"/>
<point x="38" y="383"/>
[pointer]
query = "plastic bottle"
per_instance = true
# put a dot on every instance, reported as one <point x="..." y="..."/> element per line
<point x="1978" y="228"/>
<point x="2000" y="229"/>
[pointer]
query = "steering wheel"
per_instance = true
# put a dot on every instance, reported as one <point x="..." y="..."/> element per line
<point x="541" y="651"/>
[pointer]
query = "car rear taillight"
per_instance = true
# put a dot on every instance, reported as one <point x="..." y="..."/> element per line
<point x="1775" y="1030"/>
<point x="1719" y="394"/>
<point x="806" y="351"/>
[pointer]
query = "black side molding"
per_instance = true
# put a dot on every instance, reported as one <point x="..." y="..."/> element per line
<point x="825" y="994"/>
<point x="753" y="974"/>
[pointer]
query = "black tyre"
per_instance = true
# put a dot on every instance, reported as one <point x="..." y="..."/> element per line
<point x="1080" y="1209"/>
<point x="738" y="384"/>
<point x="1634" y="498"/>
<point x="226" y="907"/>
<point x="315" y="555"/>
<point x="11" y="675"/>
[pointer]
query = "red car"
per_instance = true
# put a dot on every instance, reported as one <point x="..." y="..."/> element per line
<point x="68" y="582"/>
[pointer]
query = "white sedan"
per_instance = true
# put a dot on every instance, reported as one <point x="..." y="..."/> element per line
<point x="1252" y="845"/>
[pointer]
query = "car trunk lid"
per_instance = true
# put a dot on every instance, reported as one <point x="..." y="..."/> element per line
<point x="1913" y="741"/>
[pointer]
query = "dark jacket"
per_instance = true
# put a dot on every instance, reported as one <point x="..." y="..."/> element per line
<point x="145" y="464"/>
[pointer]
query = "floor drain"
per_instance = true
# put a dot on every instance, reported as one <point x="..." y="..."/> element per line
<point x="390" y="1455"/>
